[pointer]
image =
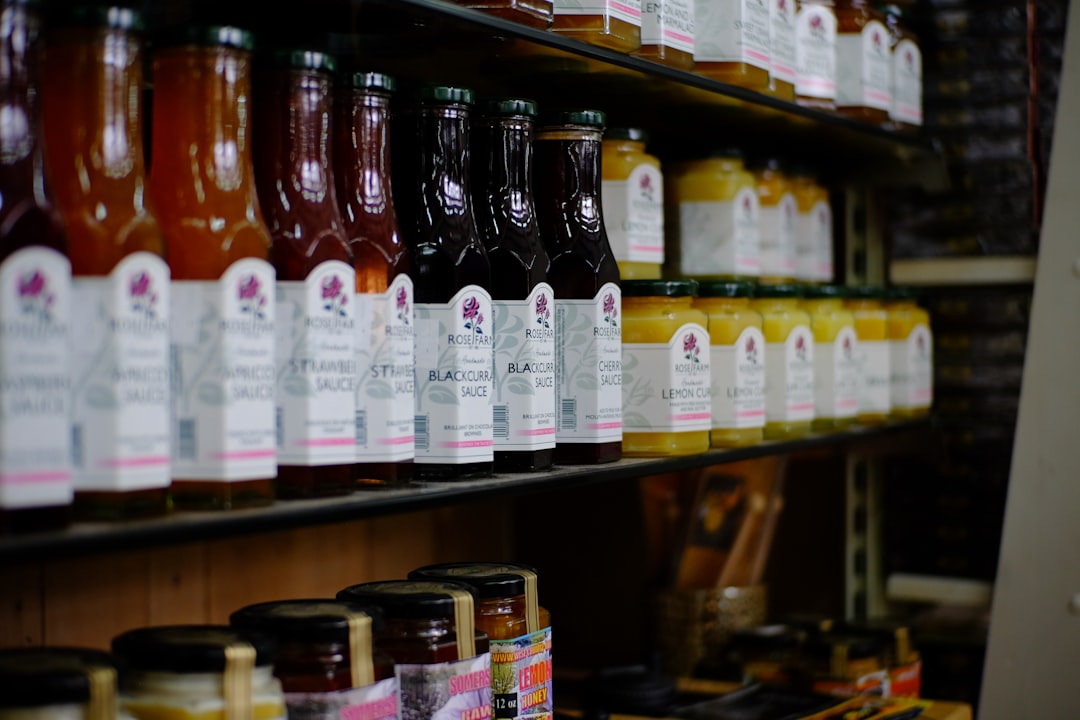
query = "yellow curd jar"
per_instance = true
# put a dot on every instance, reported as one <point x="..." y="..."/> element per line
<point x="813" y="229"/>
<point x="632" y="193"/>
<point x="667" y="404"/>
<point x="713" y="215"/>
<point x="777" y="223"/>
<point x="911" y="355"/>
<point x="836" y="359"/>
<point x="736" y="363"/>
<point x="871" y="329"/>
<point x="789" y="361"/>
<point x="614" y="24"/>
<point x="731" y="42"/>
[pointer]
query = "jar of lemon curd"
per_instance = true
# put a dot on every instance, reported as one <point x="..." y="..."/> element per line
<point x="789" y="361"/>
<point x="911" y="355"/>
<point x="632" y="193"/>
<point x="836" y="368"/>
<point x="871" y="328"/>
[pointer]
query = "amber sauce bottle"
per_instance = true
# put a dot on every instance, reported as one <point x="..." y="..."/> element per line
<point x="384" y="391"/>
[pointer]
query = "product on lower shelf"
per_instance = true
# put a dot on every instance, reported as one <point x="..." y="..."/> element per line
<point x="836" y="357"/>
<point x="778" y="224"/>
<point x="789" y="361"/>
<point x="52" y="683"/>
<point x="911" y="355"/>
<point x="871" y="329"/>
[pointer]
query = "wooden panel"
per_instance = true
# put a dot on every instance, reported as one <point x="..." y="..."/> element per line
<point x="402" y="543"/>
<point x="90" y="600"/>
<point x="477" y="531"/>
<point x="177" y="586"/>
<point x="22" y="619"/>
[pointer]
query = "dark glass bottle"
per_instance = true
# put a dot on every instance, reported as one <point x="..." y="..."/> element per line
<point x="454" y="338"/>
<point x="384" y="391"/>
<point x="316" y="332"/>
<point x="523" y="301"/>
<point x="585" y="277"/>
<point x="35" y="302"/>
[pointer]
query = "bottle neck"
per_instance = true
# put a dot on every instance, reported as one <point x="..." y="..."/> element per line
<point x="20" y="162"/>
<point x="444" y="164"/>
<point x="303" y="141"/>
<point x="569" y="159"/>
<point x="508" y="165"/>
<point x="367" y="187"/>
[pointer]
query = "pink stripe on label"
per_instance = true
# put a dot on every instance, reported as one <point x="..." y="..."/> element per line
<point x="151" y="461"/>
<point x="678" y="36"/>
<point x="403" y="440"/>
<point x="327" y="442"/>
<point x="467" y="444"/>
<point x="750" y="413"/>
<point x="800" y="408"/>
<point x="648" y="248"/>
<point x="537" y="432"/>
<point x="818" y="84"/>
<point x="757" y="55"/>
<point x="692" y="416"/>
<point x="35" y="478"/>
<point x="783" y="70"/>
<point x="605" y="426"/>
<point x="246" y="455"/>
<point x="881" y="97"/>
<point x="625" y="9"/>
<point x="847" y="404"/>
<point x="922" y="395"/>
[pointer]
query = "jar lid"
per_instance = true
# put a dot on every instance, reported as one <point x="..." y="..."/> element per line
<point x="36" y="677"/>
<point x="373" y="81"/>
<point x="418" y="599"/>
<point x="866" y="292"/>
<point x="303" y="620"/>
<point x="507" y="106"/>
<point x="207" y="36"/>
<point x="588" y="118"/>
<point x="626" y="133"/>
<point x="721" y="289"/>
<point x="729" y="152"/>
<point x="189" y="648"/>
<point x="825" y="292"/>
<point x="446" y="94"/>
<point x="305" y="60"/>
<point x="778" y="291"/>
<point x="489" y="580"/>
<point x="901" y="294"/>
<point x="766" y="637"/>
<point x="659" y="288"/>
<point x="113" y="17"/>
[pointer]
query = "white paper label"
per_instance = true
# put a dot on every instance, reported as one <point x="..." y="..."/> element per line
<point x="625" y="10"/>
<point x="732" y="31"/>
<point x="634" y="215"/>
<point x="455" y="382"/>
<point x="385" y="359"/>
<point x="121" y="414"/>
<point x="836" y="376"/>
<point x="738" y="382"/>
<point x="874" y="377"/>
<point x="667" y="387"/>
<point x="669" y="23"/>
<point x="224" y="374"/>
<point x="720" y="238"/>
<point x="378" y="701"/>
<point x="789" y="377"/>
<point x="782" y="37"/>
<point x="35" y="380"/>
<point x="815" y="52"/>
<point x="778" y="231"/>
<point x="524" y="410"/>
<point x="907" y="85"/>
<point x="316" y="360"/>
<point x="814" y="244"/>
<point x="912" y="369"/>
<point x="588" y="352"/>
<point x="864" y="68"/>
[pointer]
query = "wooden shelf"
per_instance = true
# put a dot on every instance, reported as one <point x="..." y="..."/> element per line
<point x="963" y="271"/>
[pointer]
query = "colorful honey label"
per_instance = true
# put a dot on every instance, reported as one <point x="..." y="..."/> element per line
<point x="667" y="387"/>
<point x="907" y="83"/>
<point x="121" y="412"/>
<point x="735" y="31"/>
<point x="628" y="11"/>
<point x="874" y="377"/>
<point x="669" y="23"/>
<point x="782" y="40"/>
<point x="459" y="690"/>
<point x="378" y="701"/>
<point x="738" y="382"/>
<point x="634" y="215"/>
<point x="912" y="369"/>
<point x="864" y="68"/>
<point x="836" y="376"/>
<point x="385" y="360"/>
<point x="523" y="416"/>
<point x="721" y="238"/>
<point x="588" y="351"/>
<point x="789" y="377"/>
<point x="521" y="678"/>
<point x="779" y="231"/>
<point x="455" y="379"/>
<point x="815" y="52"/>
<point x="316" y="360"/>
<point x="35" y="380"/>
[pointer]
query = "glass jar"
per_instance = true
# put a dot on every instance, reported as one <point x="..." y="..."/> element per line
<point x="667" y="403"/>
<point x="814" y="228"/>
<point x="871" y="328"/>
<point x="57" y="684"/>
<point x="712" y="208"/>
<point x="778" y="222"/>
<point x="585" y="278"/>
<point x="782" y="15"/>
<point x="906" y="88"/>
<point x="198" y="672"/>
<point x="863" y="61"/>
<point x="202" y="187"/>
<point x="323" y="645"/>
<point x="668" y="34"/>
<point x="532" y="13"/>
<point x="608" y="23"/>
<point x="789" y="361"/>
<point x="836" y="358"/>
<point x="731" y="42"/>
<point x="911" y="355"/>
<point x="633" y="195"/>
<point x="737" y="363"/>
<point x="815" y="54"/>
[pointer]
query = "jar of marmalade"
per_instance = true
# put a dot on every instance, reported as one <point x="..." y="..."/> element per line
<point x="57" y="684"/>
<point x="863" y="62"/>
<point x="911" y="355"/>
<point x="906" y="113"/>
<point x="789" y="361"/>
<point x="608" y="23"/>
<point x="815" y="54"/>
<point x="533" y="13"/>
<point x="732" y="42"/>
<point x="668" y="33"/>
<point x="836" y="367"/>
<point x="632" y="191"/>
<point x="871" y="328"/>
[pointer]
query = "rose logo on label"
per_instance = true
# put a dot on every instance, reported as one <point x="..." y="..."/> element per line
<point x="691" y="351"/>
<point x="334" y="300"/>
<point x="470" y="312"/>
<point x="543" y="313"/>
<point x="610" y="311"/>
<point x="252" y="302"/>
<point x="817" y="27"/>
<point x="876" y="37"/>
<point x="34" y="296"/>
<point x="920" y="345"/>
<point x="646" y="188"/>
<point x="402" y="300"/>
<point x="909" y="60"/>
<point x="751" y="351"/>
<point x="823" y="218"/>
<point x="747" y="208"/>
<point x="143" y="297"/>
<point x="847" y="348"/>
<point x="800" y="348"/>
<point x="782" y="5"/>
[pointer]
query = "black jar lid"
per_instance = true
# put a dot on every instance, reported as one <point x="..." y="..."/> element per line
<point x="659" y="288"/>
<point x="36" y="677"/>
<point x="374" y="81"/>
<point x="445" y="94"/>
<point x="626" y="133"/>
<point x="766" y="638"/>
<point x="826" y="292"/>
<point x="779" y="291"/>
<point x="866" y="292"/>
<point x="586" y="118"/>
<point x="207" y="36"/>
<point x="413" y="599"/>
<point x="722" y="289"/>
<point x="299" y="59"/>
<point x="901" y="294"/>
<point x="188" y="648"/>
<point x="508" y="106"/>
<point x="489" y="580"/>
<point x="305" y="620"/>
<point x="114" y="17"/>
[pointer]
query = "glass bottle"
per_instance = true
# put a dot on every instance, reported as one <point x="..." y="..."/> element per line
<point x="668" y="33"/>
<point x="202" y="185"/>
<point x="385" y="401"/>
<point x="608" y="23"/>
<point x="789" y="362"/>
<point x="92" y="125"/>
<point x="872" y="332"/>
<point x="585" y="278"/>
<point x="911" y="355"/>
<point x="452" y="277"/>
<point x="731" y="42"/>
<point x="533" y="13"/>
<point x="316" y="300"/>
<point x="815" y="54"/>
<point x="836" y="357"/>
<point x="778" y="222"/>
<point x="633" y="194"/>
<point x="906" y="86"/>
<point x="35" y="301"/>
<point x="782" y="41"/>
<point x="522" y="300"/>
<point x="863" y="62"/>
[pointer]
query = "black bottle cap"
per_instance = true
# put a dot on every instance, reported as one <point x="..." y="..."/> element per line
<point x="373" y="81"/>
<point x="587" y="118"/>
<point x="720" y="289"/>
<point x="489" y="580"/>
<point x="113" y="17"/>
<point x="445" y="94"/>
<point x="207" y="36"/>
<point x="898" y="294"/>
<point x="507" y="106"/>
<point x="35" y="677"/>
<point x="305" y="60"/>
<point x="418" y="599"/>
<point x="304" y="620"/>
<point x="659" y="288"/>
<point x="188" y="648"/>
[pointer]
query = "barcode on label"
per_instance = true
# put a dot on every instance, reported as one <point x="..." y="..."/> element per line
<point x="568" y="414"/>
<point x="185" y="447"/>
<point x="423" y="435"/>
<point x="279" y="414"/>
<point x="78" y="455"/>
<point x="361" y="428"/>
<point x="500" y="419"/>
